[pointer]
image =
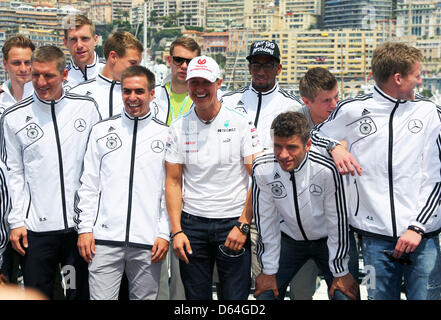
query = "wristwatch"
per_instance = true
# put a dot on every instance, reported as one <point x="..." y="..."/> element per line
<point x="243" y="227"/>
<point x="331" y="145"/>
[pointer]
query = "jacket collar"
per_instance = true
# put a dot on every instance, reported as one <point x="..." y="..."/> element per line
<point x="271" y="91"/>
<point x="302" y="164"/>
<point x="381" y="95"/>
<point x="40" y="101"/>
<point x="28" y="89"/>
<point x="107" y="80"/>
<point x="95" y="61"/>
<point x="146" y="117"/>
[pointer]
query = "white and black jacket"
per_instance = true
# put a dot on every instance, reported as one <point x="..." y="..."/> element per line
<point x="106" y="93"/>
<point x="397" y="144"/>
<point x="5" y="207"/>
<point x="6" y="97"/>
<point x="43" y="145"/>
<point x="121" y="198"/>
<point x="307" y="203"/>
<point x="263" y="107"/>
<point x="76" y="75"/>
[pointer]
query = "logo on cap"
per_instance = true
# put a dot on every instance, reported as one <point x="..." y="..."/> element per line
<point x="202" y="61"/>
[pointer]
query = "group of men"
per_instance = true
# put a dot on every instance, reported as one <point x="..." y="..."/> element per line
<point x="102" y="171"/>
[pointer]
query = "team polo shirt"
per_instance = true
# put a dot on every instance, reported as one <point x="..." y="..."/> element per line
<point x="212" y="154"/>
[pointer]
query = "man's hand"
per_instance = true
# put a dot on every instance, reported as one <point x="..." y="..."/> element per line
<point x="159" y="250"/>
<point x="181" y="244"/>
<point x="347" y="285"/>
<point x="17" y="237"/>
<point x="408" y="242"/>
<point x="86" y="246"/>
<point x="266" y="282"/>
<point x="235" y="239"/>
<point x="344" y="161"/>
<point x="3" y="278"/>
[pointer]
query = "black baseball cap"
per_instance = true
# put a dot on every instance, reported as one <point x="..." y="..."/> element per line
<point x="264" y="47"/>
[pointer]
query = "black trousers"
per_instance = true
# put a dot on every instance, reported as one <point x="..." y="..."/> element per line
<point x="48" y="250"/>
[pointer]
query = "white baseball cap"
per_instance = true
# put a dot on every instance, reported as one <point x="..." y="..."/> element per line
<point x="203" y="67"/>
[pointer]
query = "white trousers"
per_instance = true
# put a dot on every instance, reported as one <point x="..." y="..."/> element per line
<point x="108" y="265"/>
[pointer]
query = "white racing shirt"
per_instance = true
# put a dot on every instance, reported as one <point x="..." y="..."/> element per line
<point x="121" y="199"/>
<point x="215" y="177"/>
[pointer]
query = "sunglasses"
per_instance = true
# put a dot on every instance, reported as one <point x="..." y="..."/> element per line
<point x="403" y="260"/>
<point x="231" y="253"/>
<point x="179" y="60"/>
<point x="268" y="66"/>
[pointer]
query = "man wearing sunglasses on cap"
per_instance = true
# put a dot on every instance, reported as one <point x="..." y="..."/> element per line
<point x="171" y="98"/>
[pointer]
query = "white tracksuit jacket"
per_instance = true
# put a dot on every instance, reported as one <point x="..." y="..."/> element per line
<point x="397" y="143"/>
<point x="76" y="75"/>
<point x="5" y="207"/>
<point x="121" y="198"/>
<point x="306" y="204"/>
<point x="6" y="97"/>
<point x="43" y="145"/>
<point x="262" y="107"/>
<point x="106" y="93"/>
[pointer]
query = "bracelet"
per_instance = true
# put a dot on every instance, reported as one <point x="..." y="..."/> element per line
<point x="416" y="229"/>
<point x="176" y="233"/>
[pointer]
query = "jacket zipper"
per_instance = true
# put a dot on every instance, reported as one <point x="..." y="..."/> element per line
<point x="390" y="173"/>
<point x="98" y="209"/>
<point x="259" y="105"/>
<point x="111" y="98"/>
<point x="132" y="169"/>
<point x="358" y="198"/>
<point x="296" y="205"/>
<point x="60" y="164"/>
<point x="30" y="200"/>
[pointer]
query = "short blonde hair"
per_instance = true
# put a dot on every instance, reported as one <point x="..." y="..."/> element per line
<point x="119" y="42"/>
<point x="392" y="57"/>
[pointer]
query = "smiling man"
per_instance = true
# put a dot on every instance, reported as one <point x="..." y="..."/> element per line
<point x="125" y="229"/>
<point x="299" y="186"/>
<point x="80" y="39"/>
<point x="121" y="51"/>
<point x="209" y="148"/>
<point x="43" y="141"/>
<point x="17" y="52"/>
<point x="394" y="135"/>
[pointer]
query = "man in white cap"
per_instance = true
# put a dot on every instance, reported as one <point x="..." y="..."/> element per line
<point x="209" y="154"/>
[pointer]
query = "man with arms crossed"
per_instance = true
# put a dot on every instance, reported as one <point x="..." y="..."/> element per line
<point x="302" y="188"/>
<point x="394" y="136"/>
<point x="210" y="148"/>
<point x="121" y="215"/>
